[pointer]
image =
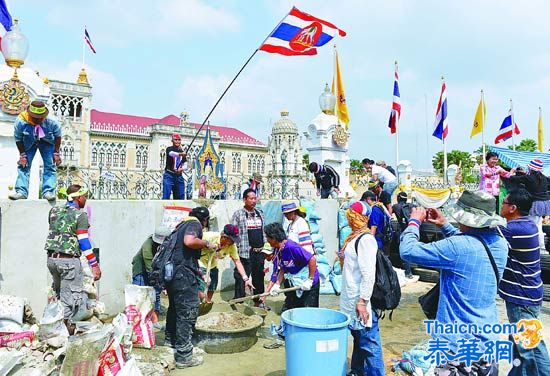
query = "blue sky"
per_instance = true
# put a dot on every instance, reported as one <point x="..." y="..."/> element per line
<point x="162" y="57"/>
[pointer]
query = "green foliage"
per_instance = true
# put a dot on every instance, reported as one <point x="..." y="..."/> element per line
<point x="465" y="160"/>
<point x="305" y="162"/>
<point x="356" y="167"/>
<point x="527" y="144"/>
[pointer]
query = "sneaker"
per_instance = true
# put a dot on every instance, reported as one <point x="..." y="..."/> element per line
<point x="49" y="196"/>
<point x="194" y="361"/>
<point x="17" y="196"/>
<point x="409" y="276"/>
<point x="198" y="351"/>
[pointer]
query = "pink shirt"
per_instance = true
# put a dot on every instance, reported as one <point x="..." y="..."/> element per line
<point x="490" y="179"/>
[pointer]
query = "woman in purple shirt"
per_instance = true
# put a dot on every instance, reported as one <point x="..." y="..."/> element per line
<point x="294" y="266"/>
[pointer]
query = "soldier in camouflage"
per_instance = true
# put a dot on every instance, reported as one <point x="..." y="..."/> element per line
<point x="67" y="241"/>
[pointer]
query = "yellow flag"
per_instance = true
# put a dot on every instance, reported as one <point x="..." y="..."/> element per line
<point x="341" y="109"/>
<point x="478" y="120"/>
<point x="540" y="133"/>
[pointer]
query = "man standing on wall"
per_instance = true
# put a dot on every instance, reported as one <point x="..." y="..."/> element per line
<point x="172" y="180"/>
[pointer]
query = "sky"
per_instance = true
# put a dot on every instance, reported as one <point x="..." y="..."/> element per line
<point x="162" y="57"/>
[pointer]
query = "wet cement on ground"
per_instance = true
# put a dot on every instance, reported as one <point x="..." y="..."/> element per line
<point x="403" y="332"/>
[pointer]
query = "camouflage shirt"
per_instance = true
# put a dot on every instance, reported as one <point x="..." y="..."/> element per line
<point x="64" y="222"/>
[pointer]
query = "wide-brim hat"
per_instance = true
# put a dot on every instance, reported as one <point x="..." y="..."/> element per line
<point x="257" y="177"/>
<point x="161" y="233"/>
<point x="38" y="110"/>
<point x="475" y="209"/>
<point x="288" y="208"/>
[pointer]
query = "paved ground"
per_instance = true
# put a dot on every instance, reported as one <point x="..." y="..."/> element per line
<point x="403" y="332"/>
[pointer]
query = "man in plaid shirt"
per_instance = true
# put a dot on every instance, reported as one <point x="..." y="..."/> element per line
<point x="250" y="222"/>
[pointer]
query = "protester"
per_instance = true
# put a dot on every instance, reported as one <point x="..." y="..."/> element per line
<point x="358" y="278"/>
<point x="468" y="284"/>
<point x="224" y="243"/>
<point x="295" y="267"/>
<point x="250" y="222"/>
<point x="298" y="228"/>
<point x="537" y="185"/>
<point x="378" y="221"/>
<point x="183" y="298"/>
<point x="67" y="240"/>
<point x="253" y="183"/>
<point x="327" y="179"/>
<point x="402" y="211"/>
<point x="381" y="196"/>
<point x="383" y="164"/>
<point x="490" y="175"/>
<point x="379" y="173"/>
<point x="521" y="284"/>
<point x="142" y="265"/>
<point x="34" y="131"/>
<point x="172" y="179"/>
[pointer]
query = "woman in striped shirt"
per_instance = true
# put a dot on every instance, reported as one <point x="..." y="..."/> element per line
<point x="298" y="228"/>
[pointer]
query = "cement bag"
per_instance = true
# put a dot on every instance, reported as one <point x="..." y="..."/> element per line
<point x="139" y="312"/>
<point x="336" y="281"/>
<point x="130" y="369"/>
<point x="51" y="324"/>
<point x="83" y="351"/>
<point x="17" y="340"/>
<point x="113" y="358"/>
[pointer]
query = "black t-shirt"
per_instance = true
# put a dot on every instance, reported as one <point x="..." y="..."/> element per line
<point x="184" y="255"/>
<point x="173" y="162"/>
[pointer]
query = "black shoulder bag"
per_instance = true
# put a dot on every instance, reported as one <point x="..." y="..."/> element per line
<point x="430" y="301"/>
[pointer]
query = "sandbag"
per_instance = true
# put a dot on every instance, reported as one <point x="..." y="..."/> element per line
<point x="336" y="281"/>
<point x="324" y="271"/>
<point x="139" y="312"/>
<point x="51" y="323"/>
<point x="326" y="288"/>
<point x="83" y="351"/>
<point x="320" y="250"/>
<point x="342" y="235"/>
<point x="317" y="239"/>
<point x="322" y="259"/>
<point x="313" y="227"/>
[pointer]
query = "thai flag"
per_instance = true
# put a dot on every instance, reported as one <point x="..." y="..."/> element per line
<point x="441" y="125"/>
<point x="506" y="129"/>
<point x="300" y="33"/>
<point x="6" y="21"/>
<point x="395" y="113"/>
<point x="88" y="40"/>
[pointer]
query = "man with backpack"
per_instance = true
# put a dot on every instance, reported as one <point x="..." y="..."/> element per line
<point x="379" y="222"/>
<point x="358" y="280"/>
<point x="182" y="288"/>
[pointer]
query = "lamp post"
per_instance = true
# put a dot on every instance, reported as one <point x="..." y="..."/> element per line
<point x="283" y="174"/>
<point x="327" y="101"/>
<point x="100" y="187"/>
<point x="15" y="46"/>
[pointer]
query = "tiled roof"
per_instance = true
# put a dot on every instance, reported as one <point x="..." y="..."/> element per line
<point x="120" y="123"/>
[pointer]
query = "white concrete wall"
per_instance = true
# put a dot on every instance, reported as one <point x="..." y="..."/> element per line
<point x="118" y="230"/>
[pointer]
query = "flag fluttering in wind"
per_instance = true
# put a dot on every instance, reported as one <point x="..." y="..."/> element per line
<point x="441" y="126"/>
<point x="506" y="130"/>
<point x="540" y="132"/>
<point x="341" y="108"/>
<point x="6" y="21"/>
<point x="300" y="33"/>
<point x="88" y="40"/>
<point x="395" y="113"/>
<point x="479" y="119"/>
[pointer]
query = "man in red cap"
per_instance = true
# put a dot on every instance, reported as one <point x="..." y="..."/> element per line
<point x="172" y="180"/>
<point x="34" y="131"/>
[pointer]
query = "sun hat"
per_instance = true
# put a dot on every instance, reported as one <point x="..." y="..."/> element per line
<point x="38" y="110"/>
<point x="290" y="207"/>
<point x="161" y="233"/>
<point x="361" y="208"/>
<point x="475" y="209"/>
<point x="535" y="165"/>
<point x="232" y="232"/>
<point x="257" y="177"/>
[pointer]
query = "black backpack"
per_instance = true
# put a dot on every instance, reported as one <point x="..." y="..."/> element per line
<point x="387" y="232"/>
<point x="162" y="266"/>
<point x="386" y="293"/>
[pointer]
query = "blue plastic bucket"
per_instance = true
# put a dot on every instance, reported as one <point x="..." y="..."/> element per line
<point x="316" y="341"/>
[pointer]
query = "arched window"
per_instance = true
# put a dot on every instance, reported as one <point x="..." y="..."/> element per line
<point x="142" y="151"/>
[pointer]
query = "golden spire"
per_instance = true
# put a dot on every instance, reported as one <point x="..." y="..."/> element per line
<point x="46" y="81"/>
<point x="82" y="77"/>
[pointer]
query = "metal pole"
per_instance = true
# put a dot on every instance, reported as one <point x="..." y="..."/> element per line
<point x="396" y="129"/>
<point x="513" y="126"/>
<point x="482" y="125"/>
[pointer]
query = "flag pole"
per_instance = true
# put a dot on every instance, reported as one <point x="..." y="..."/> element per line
<point x="513" y="125"/>
<point x="230" y="84"/>
<point x="83" y="49"/>
<point x="396" y="133"/>
<point x="444" y="146"/>
<point x="540" y="131"/>
<point x="482" y="125"/>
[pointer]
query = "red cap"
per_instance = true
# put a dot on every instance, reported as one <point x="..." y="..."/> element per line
<point x="176" y="136"/>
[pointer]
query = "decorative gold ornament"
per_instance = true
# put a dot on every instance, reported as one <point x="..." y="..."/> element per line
<point x="340" y="136"/>
<point x="82" y="77"/>
<point x="14" y="96"/>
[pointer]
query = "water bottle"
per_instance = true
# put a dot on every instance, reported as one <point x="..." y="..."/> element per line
<point x="168" y="272"/>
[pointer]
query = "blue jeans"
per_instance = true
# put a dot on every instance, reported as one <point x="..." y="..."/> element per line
<point x="141" y="280"/>
<point x="173" y="183"/>
<point x="325" y="192"/>
<point x="534" y="362"/>
<point x="390" y="187"/>
<point x="49" y="178"/>
<point x="367" y="358"/>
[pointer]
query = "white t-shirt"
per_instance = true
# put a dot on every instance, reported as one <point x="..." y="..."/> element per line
<point x="298" y="231"/>
<point x="383" y="175"/>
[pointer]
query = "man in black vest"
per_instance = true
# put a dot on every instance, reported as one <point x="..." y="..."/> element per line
<point x="183" y="291"/>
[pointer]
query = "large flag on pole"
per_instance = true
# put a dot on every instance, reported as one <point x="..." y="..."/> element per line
<point x="341" y="109"/>
<point x="540" y="133"/>
<point x="506" y="130"/>
<point x="479" y="118"/>
<point x="88" y="40"/>
<point x="6" y="21"/>
<point x="441" y="126"/>
<point x="395" y="113"/>
<point x="300" y="33"/>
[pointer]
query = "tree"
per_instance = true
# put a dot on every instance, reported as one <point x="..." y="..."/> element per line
<point x="461" y="158"/>
<point x="526" y="144"/>
<point x="356" y="167"/>
<point x="305" y="162"/>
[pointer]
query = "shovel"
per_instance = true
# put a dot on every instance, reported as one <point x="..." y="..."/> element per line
<point x="206" y="307"/>
<point x="238" y="300"/>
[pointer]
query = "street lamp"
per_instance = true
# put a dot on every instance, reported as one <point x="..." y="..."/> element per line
<point x="283" y="174"/>
<point x="15" y="46"/>
<point x="327" y="101"/>
<point x="100" y="178"/>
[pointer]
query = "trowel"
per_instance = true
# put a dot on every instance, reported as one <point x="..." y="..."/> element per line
<point x="205" y="306"/>
<point x="232" y="302"/>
